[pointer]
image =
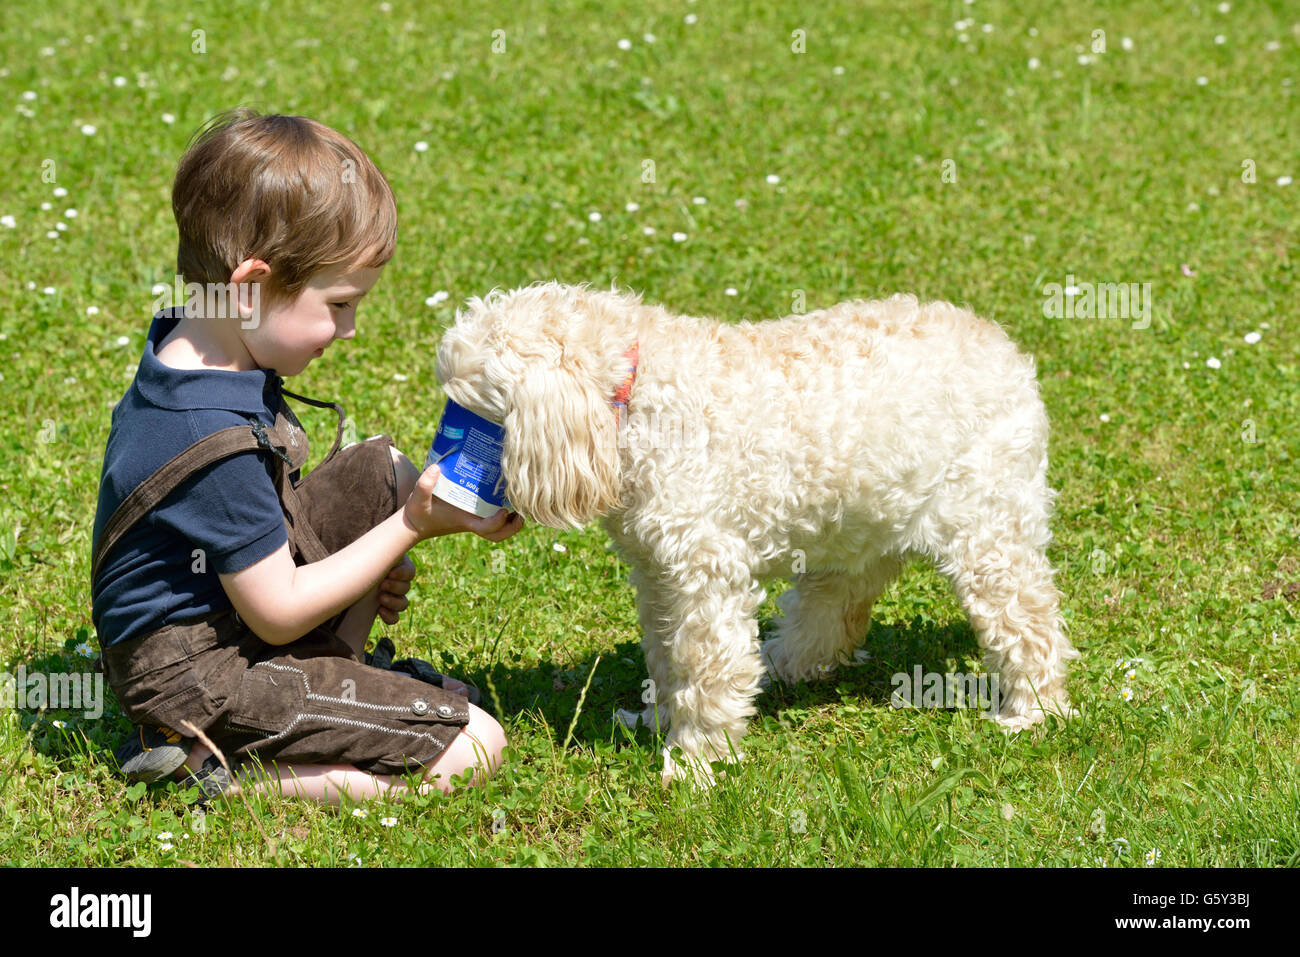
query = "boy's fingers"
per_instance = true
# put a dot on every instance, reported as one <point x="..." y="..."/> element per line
<point x="427" y="480"/>
<point x="502" y="526"/>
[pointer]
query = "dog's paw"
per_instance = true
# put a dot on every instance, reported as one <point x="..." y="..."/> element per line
<point x="691" y="770"/>
<point x="645" y="719"/>
<point x="1035" y="719"/>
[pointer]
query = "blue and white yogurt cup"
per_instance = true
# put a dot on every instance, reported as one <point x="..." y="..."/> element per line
<point x="467" y="450"/>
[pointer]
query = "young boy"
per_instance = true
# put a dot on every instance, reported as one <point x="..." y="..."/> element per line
<point x="228" y="593"/>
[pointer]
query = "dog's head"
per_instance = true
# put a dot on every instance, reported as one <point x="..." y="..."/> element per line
<point x="544" y="362"/>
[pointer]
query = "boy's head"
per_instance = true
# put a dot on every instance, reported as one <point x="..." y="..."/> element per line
<point x="294" y="207"/>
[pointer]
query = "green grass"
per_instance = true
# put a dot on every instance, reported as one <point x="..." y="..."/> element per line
<point x="1169" y="527"/>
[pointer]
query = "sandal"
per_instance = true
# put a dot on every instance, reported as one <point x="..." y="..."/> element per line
<point x="382" y="657"/>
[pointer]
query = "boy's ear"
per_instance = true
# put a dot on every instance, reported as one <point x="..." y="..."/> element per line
<point x="248" y="278"/>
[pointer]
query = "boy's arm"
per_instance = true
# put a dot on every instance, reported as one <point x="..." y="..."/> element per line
<point x="281" y="602"/>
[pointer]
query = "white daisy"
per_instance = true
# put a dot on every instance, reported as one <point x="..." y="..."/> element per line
<point x="8" y="221"/>
<point x="440" y="296"/>
<point x="648" y="230"/>
<point x="1252" y="337"/>
<point x="70" y="213"/>
<point x="421" y="146"/>
<point x="119" y="81"/>
<point x="690" y="19"/>
<point x="731" y="291"/>
<point x="88" y="129"/>
<point x="559" y="547"/>
<point x="1126" y="43"/>
<point x="649" y="38"/>
<point x="1104" y="417"/>
<point x="594" y="217"/>
<point x="360" y="812"/>
<point x="1213" y="363"/>
<point x="399" y="377"/>
<point x="28" y="95"/>
<point x="679" y="237"/>
<point x="1034" y="63"/>
<point x="699" y="200"/>
<point x="632" y="207"/>
<point x="1284" y="181"/>
<point x="92" y="310"/>
<point x="85" y="650"/>
<point x="625" y="44"/>
<point x="168" y="119"/>
<point x="59" y="724"/>
<point x="388" y="821"/>
<point x="121" y="340"/>
<point x="773" y="179"/>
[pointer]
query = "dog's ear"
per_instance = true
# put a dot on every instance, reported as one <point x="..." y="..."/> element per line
<point x="560" y="462"/>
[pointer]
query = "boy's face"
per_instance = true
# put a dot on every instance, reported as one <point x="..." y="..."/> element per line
<point x="288" y="338"/>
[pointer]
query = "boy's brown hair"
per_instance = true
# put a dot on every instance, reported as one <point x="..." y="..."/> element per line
<point x="284" y="189"/>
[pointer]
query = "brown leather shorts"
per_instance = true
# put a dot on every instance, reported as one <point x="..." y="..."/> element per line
<point x="308" y="702"/>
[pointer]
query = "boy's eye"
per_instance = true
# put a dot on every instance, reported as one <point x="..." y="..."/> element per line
<point x="341" y="305"/>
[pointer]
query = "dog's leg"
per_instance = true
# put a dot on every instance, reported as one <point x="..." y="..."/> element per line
<point x="711" y="665"/>
<point x="825" y="616"/>
<point x="654" y="627"/>
<point x="1000" y="571"/>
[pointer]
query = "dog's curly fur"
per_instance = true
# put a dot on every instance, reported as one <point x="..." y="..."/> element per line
<point x="844" y="442"/>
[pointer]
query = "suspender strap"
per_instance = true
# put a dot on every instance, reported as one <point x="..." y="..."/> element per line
<point x="212" y="448"/>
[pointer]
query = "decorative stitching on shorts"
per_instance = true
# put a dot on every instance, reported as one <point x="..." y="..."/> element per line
<point x="337" y="720"/>
<point x="403" y="709"/>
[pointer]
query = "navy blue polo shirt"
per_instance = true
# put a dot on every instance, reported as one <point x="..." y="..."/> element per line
<point x="221" y="520"/>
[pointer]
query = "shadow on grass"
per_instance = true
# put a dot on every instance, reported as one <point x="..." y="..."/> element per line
<point x="620" y="680"/>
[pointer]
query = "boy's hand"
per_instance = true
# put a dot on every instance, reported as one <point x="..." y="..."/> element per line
<point x="431" y="516"/>
<point x="393" y="589"/>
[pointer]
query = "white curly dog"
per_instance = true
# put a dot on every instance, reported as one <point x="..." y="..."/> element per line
<point x="828" y="448"/>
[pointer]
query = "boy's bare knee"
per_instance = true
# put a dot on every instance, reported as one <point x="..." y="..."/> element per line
<point x="479" y="747"/>
<point x="405" y="472"/>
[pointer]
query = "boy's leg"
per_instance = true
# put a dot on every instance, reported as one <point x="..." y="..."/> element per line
<point x="360" y="618"/>
<point x="477" y="747"/>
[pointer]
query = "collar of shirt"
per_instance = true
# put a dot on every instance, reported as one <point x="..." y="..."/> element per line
<point x="250" y="392"/>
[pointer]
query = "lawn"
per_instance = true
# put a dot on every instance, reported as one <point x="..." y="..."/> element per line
<point x="742" y="162"/>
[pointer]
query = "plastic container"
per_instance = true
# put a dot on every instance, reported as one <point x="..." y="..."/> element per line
<point x="467" y="450"/>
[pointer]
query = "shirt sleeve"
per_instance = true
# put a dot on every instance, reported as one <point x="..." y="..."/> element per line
<point x="229" y="510"/>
